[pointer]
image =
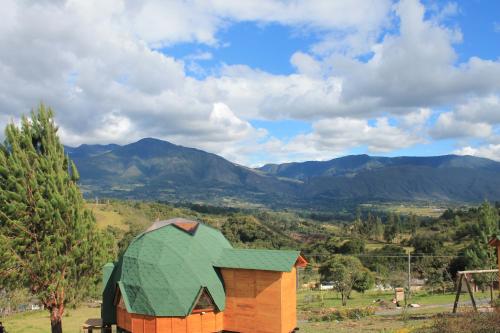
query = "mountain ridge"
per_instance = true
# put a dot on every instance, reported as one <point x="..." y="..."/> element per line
<point x="153" y="169"/>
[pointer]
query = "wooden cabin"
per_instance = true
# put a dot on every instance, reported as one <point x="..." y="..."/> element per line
<point x="495" y="241"/>
<point x="181" y="276"/>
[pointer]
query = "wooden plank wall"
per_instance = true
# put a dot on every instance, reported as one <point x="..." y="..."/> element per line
<point x="256" y="302"/>
<point x="208" y="322"/>
<point x="289" y="301"/>
<point x="123" y="319"/>
<point x="259" y="301"/>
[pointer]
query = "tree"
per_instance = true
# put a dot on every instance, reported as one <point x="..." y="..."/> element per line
<point x="479" y="255"/>
<point x="365" y="281"/>
<point x="345" y="272"/>
<point x="390" y="232"/>
<point x="426" y="244"/>
<point x="378" y="230"/>
<point x="386" y="262"/>
<point x="353" y="246"/>
<point x="413" y="224"/>
<point x="49" y="241"/>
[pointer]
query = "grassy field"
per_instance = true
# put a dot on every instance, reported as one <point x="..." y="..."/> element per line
<point x="319" y="299"/>
<point x="39" y="321"/>
<point x="373" y="324"/>
<point x="105" y="216"/>
<point x="384" y="320"/>
<point x="409" y="208"/>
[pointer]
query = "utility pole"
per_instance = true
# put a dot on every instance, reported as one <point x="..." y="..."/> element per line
<point x="409" y="276"/>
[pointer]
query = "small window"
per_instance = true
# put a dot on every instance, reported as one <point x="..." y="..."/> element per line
<point x="204" y="302"/>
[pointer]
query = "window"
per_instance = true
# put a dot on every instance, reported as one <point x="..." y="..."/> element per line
<point x="204" y="302"/>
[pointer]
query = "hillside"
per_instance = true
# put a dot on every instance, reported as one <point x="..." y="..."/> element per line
<point x="155" y="169"/>
<point x="152" y="169"/>
<point x="367" y="178"/>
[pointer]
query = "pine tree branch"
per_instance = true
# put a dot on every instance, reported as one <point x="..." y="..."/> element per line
<point x="8" y="271"/>
<point x="25" y="264"/>
<point x="19" y="226"/>
<point x="32" y="204"/>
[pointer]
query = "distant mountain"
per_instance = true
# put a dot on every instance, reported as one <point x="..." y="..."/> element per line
<point x="158" y="170"/>
<point x="367" y="178"/>
<point x="155" y="169"/>
<point x="353" y="164"/>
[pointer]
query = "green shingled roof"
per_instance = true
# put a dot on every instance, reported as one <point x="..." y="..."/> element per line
<point x="164" y="269"/>
<point x="268" y="260"/>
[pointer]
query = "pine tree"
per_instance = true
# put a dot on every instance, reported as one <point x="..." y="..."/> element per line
<point x="379" y="229"/>
<point x="478" y="255"/>
<point x="49" y="241"/>
<point x="391" y="229"/>
<point x="413" y="224"/>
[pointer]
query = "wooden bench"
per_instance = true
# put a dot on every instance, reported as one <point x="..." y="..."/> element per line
<point x="95" y="324"/>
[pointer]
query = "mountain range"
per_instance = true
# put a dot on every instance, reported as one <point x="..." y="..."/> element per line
<point x="152" y="169"/>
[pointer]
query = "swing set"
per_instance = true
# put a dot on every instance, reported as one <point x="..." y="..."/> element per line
<point x="466" y="275"/>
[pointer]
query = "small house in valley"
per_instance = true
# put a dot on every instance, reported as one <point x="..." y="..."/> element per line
<point x="182" y="276"/>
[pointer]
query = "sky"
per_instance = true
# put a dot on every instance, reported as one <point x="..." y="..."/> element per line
<point x="260" y="81"/>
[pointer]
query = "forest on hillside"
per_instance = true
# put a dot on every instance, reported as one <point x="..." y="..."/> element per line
<point x="380" y="240"/>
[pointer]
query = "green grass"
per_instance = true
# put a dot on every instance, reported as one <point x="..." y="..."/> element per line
<point x="332" y="299"/>
<point x="39" y="321"/>
<point x="410" y="208"/>
<point x="371" y="324"/>
<point x="385" y="320"/>
<point x="105" y="216"/>
<point x="329" y="299"/>
<point x="390" y="320"/>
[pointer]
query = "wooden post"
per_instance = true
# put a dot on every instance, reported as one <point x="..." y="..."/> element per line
<point x="471" y="294"/>
<point x="459" y="289"/>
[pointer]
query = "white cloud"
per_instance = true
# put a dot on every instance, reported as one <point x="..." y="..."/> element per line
<point x="491" y="151"/>
<point x="415" y="68"/>
<point x="199" y="56"/>
<point x="344" y="132"/>
<point x="416" y="120"/>
<point x="496" y="26"/>
<point x="334" y="137"/>
<point x="448" y="126"/>
<point x="162" y="23"/>
<point x="305" y="64"/>
<point x="483" y="109"/>
<point x="95" y="62"/>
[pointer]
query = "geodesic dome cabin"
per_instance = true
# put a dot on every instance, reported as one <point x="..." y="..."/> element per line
<point x="183" y="276"/>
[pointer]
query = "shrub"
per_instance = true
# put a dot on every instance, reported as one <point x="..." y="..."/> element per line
<point x="470" y="322"/>
<point x="343" y="314"/>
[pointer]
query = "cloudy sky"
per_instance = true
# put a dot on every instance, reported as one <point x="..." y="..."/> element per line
<point x="262" y="80"/>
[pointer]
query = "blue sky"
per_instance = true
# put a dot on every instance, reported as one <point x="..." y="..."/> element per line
<point x="269" y="47"/>
<point x="262" y="81"/>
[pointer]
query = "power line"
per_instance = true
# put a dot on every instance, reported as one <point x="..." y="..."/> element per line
<point x="420" y="255"/>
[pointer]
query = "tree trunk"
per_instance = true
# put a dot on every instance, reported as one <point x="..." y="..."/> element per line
<point x="55" y="320"/>
<point x="344" y="299"/>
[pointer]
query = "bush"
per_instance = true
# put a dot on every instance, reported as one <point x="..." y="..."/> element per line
<point x="343" y="314"/>
<point x="470" y="322"/>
